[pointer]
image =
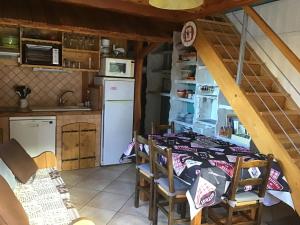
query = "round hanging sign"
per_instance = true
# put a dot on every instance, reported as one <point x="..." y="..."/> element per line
<point x="188" y="34"/>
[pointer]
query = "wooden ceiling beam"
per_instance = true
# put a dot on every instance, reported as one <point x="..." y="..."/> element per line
<point x="133" y="9"/>
<point x="73" y="18"/>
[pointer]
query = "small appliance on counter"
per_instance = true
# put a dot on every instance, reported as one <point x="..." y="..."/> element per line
<point x="105" y="47"/>
<point x="23" y="92"/>
<point x="115" y="67"/>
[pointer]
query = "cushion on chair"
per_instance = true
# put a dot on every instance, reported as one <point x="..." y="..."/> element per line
<point x="11" y="211"/>
<point x="145" y="169"/>
<point x="6" y="173"/>
<point x="245" y="198"/>
<point x="179" y="186"/>
<point x="17" y="160"/>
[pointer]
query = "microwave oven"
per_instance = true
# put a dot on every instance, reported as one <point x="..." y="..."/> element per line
<point x="48" y="55"/>
<point x="114" y="67"/>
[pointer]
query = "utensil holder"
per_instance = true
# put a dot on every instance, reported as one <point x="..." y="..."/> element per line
<point x="23" y="103"/>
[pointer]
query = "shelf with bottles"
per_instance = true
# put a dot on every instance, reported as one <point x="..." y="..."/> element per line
<point x="81" y="61"/>
<point x="234" y="131"/>
<point x="80" y="52"/>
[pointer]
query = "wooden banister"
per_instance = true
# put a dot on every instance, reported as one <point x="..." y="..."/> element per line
<point x="277" y="41"/>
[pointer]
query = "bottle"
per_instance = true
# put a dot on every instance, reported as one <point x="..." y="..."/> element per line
<point x="87" y="102"/>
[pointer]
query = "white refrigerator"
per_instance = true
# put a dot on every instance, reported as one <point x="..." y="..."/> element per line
<point x="117" y="117"/>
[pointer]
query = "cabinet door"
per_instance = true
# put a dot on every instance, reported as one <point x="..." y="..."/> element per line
<point x="70" y="142"/>
<point x="87" y="140"/>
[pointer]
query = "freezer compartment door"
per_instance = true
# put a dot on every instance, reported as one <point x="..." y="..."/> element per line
<point x="117" y="130"/>
<point x="36" y="136"/>
<point x="119" y="89"/>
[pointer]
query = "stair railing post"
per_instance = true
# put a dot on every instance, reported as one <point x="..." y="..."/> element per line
<point x="239" y="74"/>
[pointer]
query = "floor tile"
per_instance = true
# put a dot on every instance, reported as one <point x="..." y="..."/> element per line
<point x="71" y="179"/>
<point x="92" y="183"/>
<point x="127" y="176"/>
<point x="104" y="173"/>
<point x="129" y="208"/>
<point x="98" y="216"/>
<point x="109" y="201"/>
<point x="80" y="196"/>
<point x="122" y="219"/>
<point x="120" y="187"/>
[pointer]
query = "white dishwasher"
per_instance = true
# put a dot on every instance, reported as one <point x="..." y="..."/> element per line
<point x="35" y="134"/>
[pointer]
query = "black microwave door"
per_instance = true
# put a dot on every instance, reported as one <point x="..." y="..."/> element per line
<point x="39" y="55"/>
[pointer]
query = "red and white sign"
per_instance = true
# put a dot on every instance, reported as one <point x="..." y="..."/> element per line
<point x="188" y="34"/>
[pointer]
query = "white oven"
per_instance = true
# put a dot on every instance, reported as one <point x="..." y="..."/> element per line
<point x="114" y="67"/>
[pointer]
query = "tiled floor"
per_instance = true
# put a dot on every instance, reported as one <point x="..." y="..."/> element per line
<point x="106" y="195"/>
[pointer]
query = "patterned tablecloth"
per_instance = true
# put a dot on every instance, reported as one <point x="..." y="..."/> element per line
<point x="207" y="165"/>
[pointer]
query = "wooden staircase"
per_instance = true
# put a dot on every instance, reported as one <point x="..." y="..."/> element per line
<point x="266" y="110"/>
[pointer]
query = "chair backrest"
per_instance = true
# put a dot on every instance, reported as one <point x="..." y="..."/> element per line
<point x="160" y="128"/>
<point x="162" y="163"/>
<point x="260" y="182"/>
<point x="140" y="156"/>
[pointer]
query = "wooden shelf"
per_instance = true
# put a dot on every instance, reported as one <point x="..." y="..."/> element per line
<point x="41" y="41"/>
<point x="42" y="66"/>
<point x="81" y="69"/>
<point x="80" y="51"/>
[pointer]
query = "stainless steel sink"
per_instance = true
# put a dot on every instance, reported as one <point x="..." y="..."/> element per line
<point x="59" y="108"/>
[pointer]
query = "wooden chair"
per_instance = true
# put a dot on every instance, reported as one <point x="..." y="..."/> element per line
<point x="159" y="128"/>
<point x="247" y="205"/>
<point x="166" y="185"/>
<point x="143" y="173"/>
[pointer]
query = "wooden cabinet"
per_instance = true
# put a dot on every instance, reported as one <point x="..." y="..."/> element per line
<point x="78" y="146"/>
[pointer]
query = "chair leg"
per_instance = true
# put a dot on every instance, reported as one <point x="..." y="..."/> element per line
<point x="183" y="210"/>
<point x="259" y="214"/>
<point x="150" y="214"/>
<point x="171" y="211"/>
<point x="229" y="218"/>
<point x="154" y="205"/>
<point x="137" y="190"/>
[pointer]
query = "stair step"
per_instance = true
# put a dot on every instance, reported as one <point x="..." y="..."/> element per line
<point x="231" y="51"/>
<point x="222" y="34"/>
<point x="245" y="61"/>
<point x="284" y="137"/>
<point x="221" y="18"/>
<point x="216" y="22"/>
<point x="257" y="83"/>
<point x="273" y="94"/>
<point x="278" y="120"/>
<point x="265" y="101"/>
<point x="249" y="69"/>
<point x="277" y="113"/>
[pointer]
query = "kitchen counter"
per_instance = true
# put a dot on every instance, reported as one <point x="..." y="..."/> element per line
<point x="13" y="112"/>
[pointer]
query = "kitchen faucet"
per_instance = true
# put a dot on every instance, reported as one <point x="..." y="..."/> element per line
<point x="61" y="100"/>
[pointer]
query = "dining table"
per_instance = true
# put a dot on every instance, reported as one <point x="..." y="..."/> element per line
<point x="206" y="164"/>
